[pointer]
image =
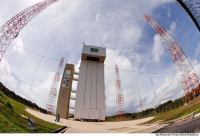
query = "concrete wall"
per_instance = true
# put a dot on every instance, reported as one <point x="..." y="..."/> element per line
<point x="87" y="50"/>
<point x="90" y="95"/>
<point x="65" y="91"/>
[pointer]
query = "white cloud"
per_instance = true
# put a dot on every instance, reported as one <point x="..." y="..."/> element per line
<point x="172" y="87"/>
<point x="18" y="46"/>
<point x="132" y="35"/>
<point x="25" y="89"/>
<point x="172" y="29"/>
<point x="170" y="90"/>
<point x="197" y="50"/>
<point x="168" y="12"/>
<point x="6" y="76"/>
<point x="97" y="15"/>
<point x="110" y="78"/>
<point x="158" y="48"/>
<point x="39" y="91"/>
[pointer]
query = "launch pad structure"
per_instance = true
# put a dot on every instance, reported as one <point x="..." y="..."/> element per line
<point x="90" y="95"/>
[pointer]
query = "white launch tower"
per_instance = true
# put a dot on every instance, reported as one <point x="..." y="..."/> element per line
<point x="90" y="95"/>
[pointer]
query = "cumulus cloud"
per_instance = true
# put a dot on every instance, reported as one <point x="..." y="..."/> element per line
<point x="168" y="12"/>
<point x="123" y="63"/>
<point x="170" y="90"/>
<point x="6" y="76"/>
<point x="172" y="87"/>
<point x="39" y="91"/>
<point x="97" y="15"/>
<point x="24" y="89"/>
<point x="158" y="48"/>
<point x="18" y="46"/>
<point x="197" y="50"/>
<point x="172" y="29"/>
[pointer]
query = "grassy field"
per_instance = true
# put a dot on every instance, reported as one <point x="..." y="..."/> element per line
<point x="114" y="119"/>
<point x="178" y="112"/>
<point x="12" y="122"/>
<point x="169" y="115"/>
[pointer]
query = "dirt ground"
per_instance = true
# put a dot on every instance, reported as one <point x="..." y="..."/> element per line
<point x="132" y="126"/>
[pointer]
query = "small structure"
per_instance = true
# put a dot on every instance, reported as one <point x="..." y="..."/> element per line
<point x="31" y="124"/>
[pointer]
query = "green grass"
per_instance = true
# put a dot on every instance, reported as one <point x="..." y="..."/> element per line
<point x="12" y="122"/>
<point x="129" y="118"/>
<point x="178" y="112"/>
<point x="114" y="119"/>
<point x="169" y="115"/>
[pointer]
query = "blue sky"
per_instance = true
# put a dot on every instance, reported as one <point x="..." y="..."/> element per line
<point x="132" y="44"/>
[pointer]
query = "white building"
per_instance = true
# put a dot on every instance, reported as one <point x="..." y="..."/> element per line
<point x="90" y="95"/>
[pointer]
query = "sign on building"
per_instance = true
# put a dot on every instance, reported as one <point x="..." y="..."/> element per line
<point x="94" y="50"/>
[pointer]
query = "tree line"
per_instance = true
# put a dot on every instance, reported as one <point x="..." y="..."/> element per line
<point x="16" y="97"/>
<point x="167" y="106"/>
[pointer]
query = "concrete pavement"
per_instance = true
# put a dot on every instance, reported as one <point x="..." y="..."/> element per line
<point x="131" y="126"/>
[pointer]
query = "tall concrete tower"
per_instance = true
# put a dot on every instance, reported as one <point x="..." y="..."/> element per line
<point x="90" y="95"/>
<point x="65" y="91"/>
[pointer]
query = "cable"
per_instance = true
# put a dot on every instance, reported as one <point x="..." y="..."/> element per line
<point x="53" y="32"/>
<point x="46" y="51"/>
<point x="104" y="67"/>
<point x="23" y="41"/>
<point x="64" y="30"/>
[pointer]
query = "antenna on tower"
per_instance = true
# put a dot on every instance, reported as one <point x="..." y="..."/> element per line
<point x="140" y="102"/>
<point x="120" y="112"/>
<point x="153" y="87"/>
<point x="51" y="102"/>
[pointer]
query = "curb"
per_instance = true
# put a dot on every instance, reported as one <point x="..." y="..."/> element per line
<point x="60" y="130"/>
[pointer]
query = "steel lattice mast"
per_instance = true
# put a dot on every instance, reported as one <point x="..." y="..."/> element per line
<point x="120" y="112"/>
<point x="11" y="29"/>
<point x="155" y="99"/>
<point x="153" y="87"/>
<point x="188" y="76"/>
<point x="140" y="102"/>
<point x="52" y="98"/>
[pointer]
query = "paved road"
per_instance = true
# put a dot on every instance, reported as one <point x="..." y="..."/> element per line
<point x="192" y="126"/>
<point x="100" y="127"/>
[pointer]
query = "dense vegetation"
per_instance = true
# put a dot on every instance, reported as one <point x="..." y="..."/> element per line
<point x="16" y="97"/>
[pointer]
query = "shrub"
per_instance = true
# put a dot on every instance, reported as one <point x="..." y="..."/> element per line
<point x="9" y="104"/>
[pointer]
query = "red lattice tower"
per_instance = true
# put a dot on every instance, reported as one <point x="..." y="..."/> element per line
<point x="140" y="102"/>
<point x="52" y="98"/>
<point x="120" y="112"/>
<point x="189" y="79"/>
<point x="153" y="87"/>
<point x="10" y="30"/>
<point x="155" y="99"/>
